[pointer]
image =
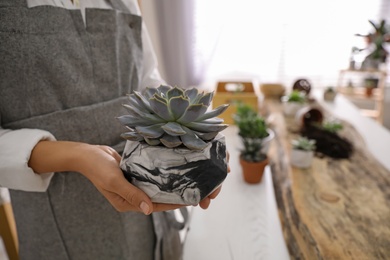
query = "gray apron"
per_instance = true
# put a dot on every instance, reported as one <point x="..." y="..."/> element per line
<point x="70" y="79"/>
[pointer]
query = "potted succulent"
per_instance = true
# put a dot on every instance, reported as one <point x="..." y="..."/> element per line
<point x="329" y="94"/>
<point x="256" y="137"/>
<point x="302" y="152"/>
<point x="174" y="150"/>
<point x="293" y="102"/>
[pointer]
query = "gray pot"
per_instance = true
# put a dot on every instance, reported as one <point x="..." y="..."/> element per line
<point x="175" y="175"/>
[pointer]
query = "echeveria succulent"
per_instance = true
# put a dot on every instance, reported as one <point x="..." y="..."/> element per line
<point x="172" y="116"/>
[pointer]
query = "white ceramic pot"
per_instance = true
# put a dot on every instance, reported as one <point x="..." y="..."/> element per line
<point x="267" y="141"/>
<point x="291" y="108"/>
<point x="301" y="159"/>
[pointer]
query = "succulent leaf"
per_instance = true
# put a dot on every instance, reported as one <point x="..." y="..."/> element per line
<point x="177" y="106"/>
<point x="192" y="141"/>
<point x="206" y="128"/>
<point x="141" y="100"/>
<point x="215" y="120"/>
<point x="213" y="113"/>
<point x="160" y="98"/>
<point x="163" y="89"/>
<point x="206" y="136"/>
<point x="160" y="109"/>
<point x="153" y="131"/>
<point x="151" y="141"/>
<point x="173" y="128"/>
<point x="138" y="113"/>
<point x="191" y="93"/>
<point x="170" y="141"/>
<point x="132" y="136"/>
<point x="174" y="92"/>
<point x="206" y="99"/>
<point x="149" y="92"/>
<point x="132" y="121"/>
<point x="192" y="113"/>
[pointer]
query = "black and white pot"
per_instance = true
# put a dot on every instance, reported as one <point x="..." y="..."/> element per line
<point x="301" y="158"/>
<point x="175" y="175"/>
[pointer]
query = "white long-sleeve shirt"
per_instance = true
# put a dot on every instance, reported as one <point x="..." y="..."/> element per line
<point x="16" y="145"/>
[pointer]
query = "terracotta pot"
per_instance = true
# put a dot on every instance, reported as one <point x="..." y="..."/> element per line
<point x="369" y="92"/>
<point x="253" y="171"/>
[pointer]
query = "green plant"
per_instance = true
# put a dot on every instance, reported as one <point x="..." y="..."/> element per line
<point x="332" y="126"/>
<point x="377" y="39"/>
<point x="303" y="143"/>
<point x="252" y="130"/>
<point x="296" y="96"/>
<point x="172" y="116"/>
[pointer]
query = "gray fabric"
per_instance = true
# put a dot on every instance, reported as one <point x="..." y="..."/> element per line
<point x="99" y="65"/>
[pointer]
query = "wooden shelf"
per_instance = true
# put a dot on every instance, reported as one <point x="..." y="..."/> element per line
<point x="360" y="92"/>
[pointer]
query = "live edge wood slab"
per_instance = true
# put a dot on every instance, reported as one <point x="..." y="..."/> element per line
<point x="337" y="209"/>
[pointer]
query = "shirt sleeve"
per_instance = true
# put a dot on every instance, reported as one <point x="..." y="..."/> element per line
<point x="16" y="147"/>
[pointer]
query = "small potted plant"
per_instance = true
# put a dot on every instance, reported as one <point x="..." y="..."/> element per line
<point x="293" y="102"/>
<point x="329" y="94"/>
<point x="174" y="150"/>
<point x="256" y="137"/>
<point x="302" y="152"/>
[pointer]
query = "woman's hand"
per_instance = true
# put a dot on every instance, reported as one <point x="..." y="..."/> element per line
<point x="100" y="164"/>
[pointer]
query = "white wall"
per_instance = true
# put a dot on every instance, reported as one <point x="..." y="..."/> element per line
<point x="149" y="11"/>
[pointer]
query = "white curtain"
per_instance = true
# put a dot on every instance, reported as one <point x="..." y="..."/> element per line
<point x="269" y="41"/>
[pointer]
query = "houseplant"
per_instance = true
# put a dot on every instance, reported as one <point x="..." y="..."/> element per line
<point x="255" y="136"/>
<point x="329" y="94"/>
<point x="293" y="102"/>
<point x="376" y="39"/>
<point x="302" y="152"/>
<point x="174" y="150"/>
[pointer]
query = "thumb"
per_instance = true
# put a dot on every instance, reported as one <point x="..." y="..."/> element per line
<point x="135" y="197"/>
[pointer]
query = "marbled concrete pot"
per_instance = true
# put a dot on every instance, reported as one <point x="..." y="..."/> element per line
<point x="175" y="175"/>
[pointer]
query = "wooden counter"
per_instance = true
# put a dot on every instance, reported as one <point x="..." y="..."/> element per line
<point x="337" y="209"/>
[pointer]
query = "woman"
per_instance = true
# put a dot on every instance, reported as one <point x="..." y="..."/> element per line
<point x="65" y="70"/>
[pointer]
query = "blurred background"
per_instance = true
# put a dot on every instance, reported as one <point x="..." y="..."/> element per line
<point x="201" y="42"/>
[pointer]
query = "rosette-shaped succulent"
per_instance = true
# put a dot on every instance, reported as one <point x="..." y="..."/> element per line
<point x="172" y="116"/>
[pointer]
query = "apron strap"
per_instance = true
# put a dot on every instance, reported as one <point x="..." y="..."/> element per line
<point x="118" y="5"/>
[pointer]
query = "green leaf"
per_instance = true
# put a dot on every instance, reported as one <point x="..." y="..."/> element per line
<point x="138" y="113"/>
<point x="213" y="113"/>
<point x="175" y="92"/>
<point x="206" y="99"/>
<point x="214" y="120"/>
<point x="149" y="92"/>
<point x="192" y="113"/>
<point x="173" y="128"/>
<point x="170" y="141"/>
<point x="131" y="121"/>
<point x="153" y="131"/>
<point x="206" y="128"/>
<point x="160" y="109"/>
<point x="177" y="106"/>
<point x="163" y="89"/>
<point x="142" y="100"/>
<point x="191" y="94"/>
<point x="151" y="141"/>
<point x="132" y="136"/>
<point x="206" y="136"/>
<point x="192" y="141"/>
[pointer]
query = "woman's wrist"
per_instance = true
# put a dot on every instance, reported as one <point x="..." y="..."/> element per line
<point x="57" y="156"/>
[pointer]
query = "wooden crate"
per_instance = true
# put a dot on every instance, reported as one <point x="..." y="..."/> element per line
<point x="245" y="94"/>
